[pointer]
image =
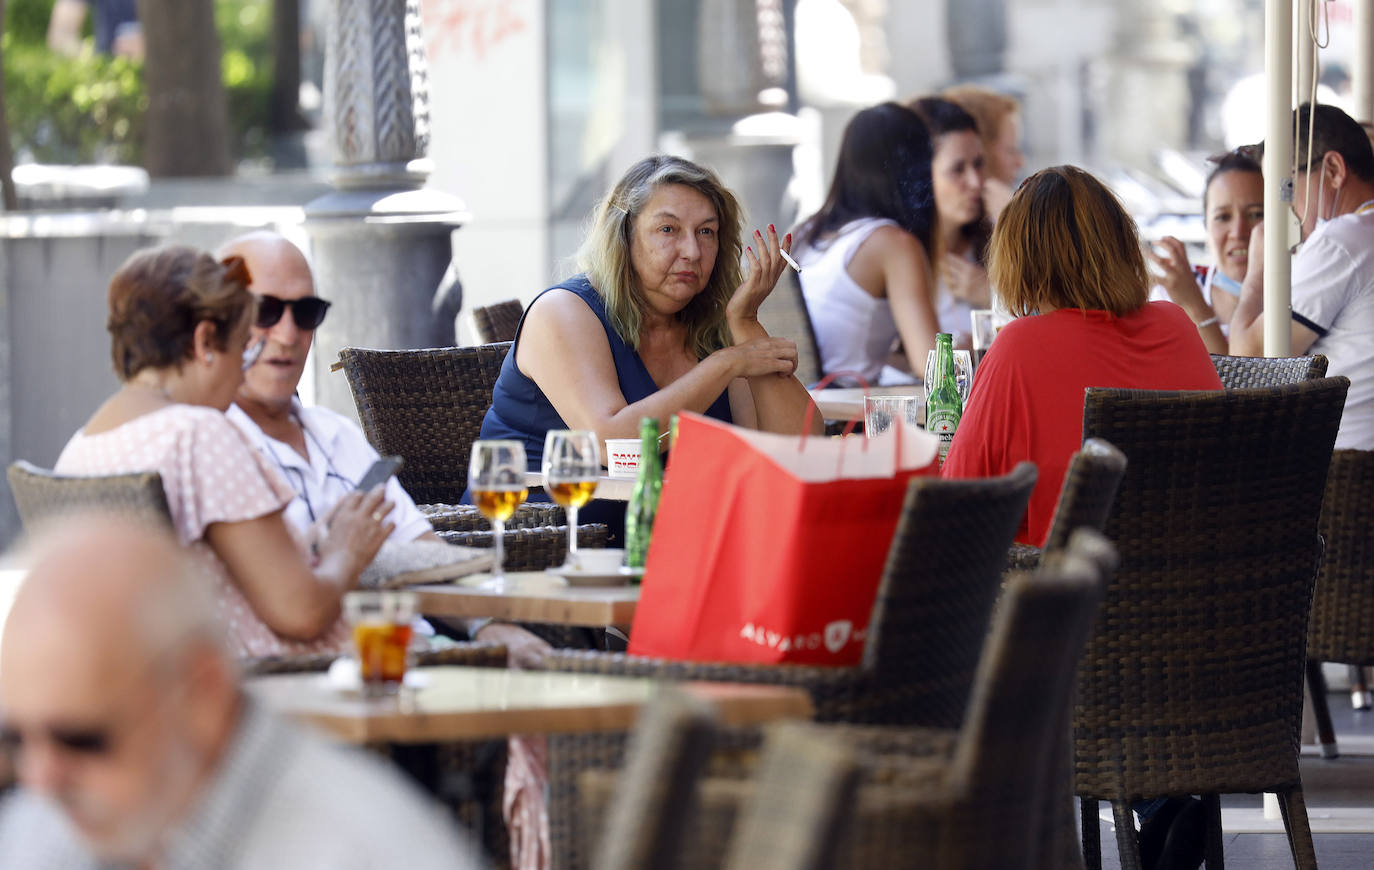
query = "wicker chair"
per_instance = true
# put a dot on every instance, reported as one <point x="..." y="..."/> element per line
<point x="466" y="517"/>
<point x="425" y="406"/>
<point x="40" y="494"/>
<point x="533" y="549"/>
<point x="1192" y="681"/>
<point x="944" y="798"/>
<point x="1247" y="372"/>
<point x="1085" y="497"/>
<point x="933" y="604"/>
<point x="784" y="315"/>
<point x="649" y="815"/>
<point x="498" y="322"/>
<point x="1342" y="628"/>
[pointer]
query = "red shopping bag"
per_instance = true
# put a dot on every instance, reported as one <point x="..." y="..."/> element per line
<point x="769" y="548"/>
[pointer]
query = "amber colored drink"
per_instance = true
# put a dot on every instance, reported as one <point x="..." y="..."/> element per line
<point x="574" y="493"/>
<point x="499" y="504"/>
<point x="381" y="653"/>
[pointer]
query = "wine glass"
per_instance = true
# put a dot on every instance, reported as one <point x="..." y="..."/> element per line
<point x="572" y="464"/>
<point x="963" y="373"/>
<point x="496" y="478"/>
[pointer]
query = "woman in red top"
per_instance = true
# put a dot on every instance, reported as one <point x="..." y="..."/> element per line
<point x="1066" y="259"/>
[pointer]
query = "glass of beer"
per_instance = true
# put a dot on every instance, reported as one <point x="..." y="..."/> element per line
<point x="381" y="622"/>
<point x="496" y="476"/>
<point x="572" y="464"/>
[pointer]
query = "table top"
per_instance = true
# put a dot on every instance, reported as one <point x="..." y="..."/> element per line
<point x="466" y="703"/>
<point x="608" y="488"/>
<point x="848" y="403"/>
<point x="531" y="596"/>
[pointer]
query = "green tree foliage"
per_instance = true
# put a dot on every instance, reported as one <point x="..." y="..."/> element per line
<point x="89" y="109"/>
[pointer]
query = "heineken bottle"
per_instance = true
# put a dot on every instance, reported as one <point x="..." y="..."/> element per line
<point x="640" y="512"/>
<point x="944" y="405"/>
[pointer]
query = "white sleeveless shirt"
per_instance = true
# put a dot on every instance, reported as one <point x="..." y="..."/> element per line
<point x="854" y="329"/>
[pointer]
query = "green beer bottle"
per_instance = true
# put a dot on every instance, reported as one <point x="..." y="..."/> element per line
<point x="944" y="405"/>
<point x="643" y="506"/>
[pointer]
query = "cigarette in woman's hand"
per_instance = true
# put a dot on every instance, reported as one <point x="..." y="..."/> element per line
<point x="788" y="257"/>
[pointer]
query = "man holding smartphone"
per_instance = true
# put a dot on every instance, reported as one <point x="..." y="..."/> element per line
<point x="323" y="455"/>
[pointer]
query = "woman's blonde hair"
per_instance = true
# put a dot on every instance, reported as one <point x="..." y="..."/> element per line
<point x="988" y="107"/>
<point x="1064" y="241"/>
<point x="605" y="254"/>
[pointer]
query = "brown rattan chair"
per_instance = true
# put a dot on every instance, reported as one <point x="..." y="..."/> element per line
<point x="655" y="793"/>
<point x="425" y="406"/>
<point x="533" y="549"/>
<point x="942" y="576"/>
<point x="784" y="315"/>
<point x="41" y="494"/>
<point x="1192" y="680"/>
<point x="1085" y="497"/>
<point x="1342" y="628"/>
<point x="466" y="517"/>
<point x="1248" y="372"/>
<point x="947" y="798"/>
<point x="498" y="322"/>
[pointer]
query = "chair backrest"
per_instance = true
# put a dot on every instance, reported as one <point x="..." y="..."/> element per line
<point x="1010" y="746"/>
<point x="41" y="494"/>
<point x="784" y="315"/>
<point x="942" y="576"/>
<point x="1088" y="492"/>
<point x="427" y="407"/>
<point x="802" y="800"/>
<point x="497" y="322"/>
<point x="1342" y="628"/>
<point x="652" y="808"/>
<point x="1215" y="524"/>
<point x="1245" y="372"/>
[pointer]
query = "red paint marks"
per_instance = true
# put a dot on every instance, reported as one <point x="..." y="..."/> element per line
<point x="471" y="27"/>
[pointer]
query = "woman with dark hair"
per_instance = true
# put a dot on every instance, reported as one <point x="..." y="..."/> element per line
<point x="1232" y="206"/>
<point x="179" y="325"/>
<point x="1066" y="259"/>
<point x="962" y="228"/>
<point x="864" y="255"/>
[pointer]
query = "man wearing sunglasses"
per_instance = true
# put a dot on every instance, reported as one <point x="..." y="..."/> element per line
<point x="320" y="453"/>
<point x="135" y="747"/>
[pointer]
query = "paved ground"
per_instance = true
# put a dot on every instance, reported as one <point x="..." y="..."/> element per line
<point x="1346" y="783"/>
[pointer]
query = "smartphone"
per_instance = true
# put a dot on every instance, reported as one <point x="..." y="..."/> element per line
<point x="380" y="471"/>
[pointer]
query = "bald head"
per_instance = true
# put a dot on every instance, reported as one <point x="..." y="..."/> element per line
<point x="278" y="269"/>
<point x="113" y="682"/>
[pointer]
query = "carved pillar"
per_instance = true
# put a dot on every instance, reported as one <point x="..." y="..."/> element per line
<point x="381" y="242"/>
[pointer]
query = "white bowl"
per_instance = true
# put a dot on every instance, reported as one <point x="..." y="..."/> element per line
<point x="622" y="457"/>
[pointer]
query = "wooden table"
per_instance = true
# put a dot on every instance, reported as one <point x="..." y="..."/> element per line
<point x="464" y="703"/>
<point x="531" y="596"/>
<point x="848" y="403"/>
<point x="608" y="488"/>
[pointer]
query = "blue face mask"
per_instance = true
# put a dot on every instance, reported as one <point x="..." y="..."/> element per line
<point x="1222" y="281"/>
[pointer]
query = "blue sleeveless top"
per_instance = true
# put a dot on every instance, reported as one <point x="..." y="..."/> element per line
<point x="519" y="409"/>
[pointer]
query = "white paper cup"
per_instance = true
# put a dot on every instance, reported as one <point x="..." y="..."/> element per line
<point x="622" y="457"/>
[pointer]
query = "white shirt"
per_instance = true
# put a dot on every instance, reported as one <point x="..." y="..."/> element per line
<point x="1333" y="295"/>
<point x="339" y="457"/>
<point x="854" y="329"/>
<point x="279" y="798"/>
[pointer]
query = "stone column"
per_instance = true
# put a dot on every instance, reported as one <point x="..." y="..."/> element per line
<point x="381" y="242"/>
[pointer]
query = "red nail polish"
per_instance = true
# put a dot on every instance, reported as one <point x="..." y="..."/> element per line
<point x="770" y="229"/>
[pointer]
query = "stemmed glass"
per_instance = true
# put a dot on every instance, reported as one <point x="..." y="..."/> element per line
<point x="963" y="372"/>
<point x="496" y="477"/>
<point x="572" y="464"/>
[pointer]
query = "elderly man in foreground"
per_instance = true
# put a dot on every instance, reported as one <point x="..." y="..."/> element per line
<point x="134" y="745"/>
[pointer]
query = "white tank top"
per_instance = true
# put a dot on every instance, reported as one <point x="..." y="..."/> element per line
<point x="854" y="329"/>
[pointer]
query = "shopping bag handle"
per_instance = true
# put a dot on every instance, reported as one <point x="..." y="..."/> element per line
<point x="811" y="408"/>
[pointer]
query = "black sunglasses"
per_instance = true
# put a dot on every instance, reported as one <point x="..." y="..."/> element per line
<point x="92" y="742"/>
<point x="308" y="312"/>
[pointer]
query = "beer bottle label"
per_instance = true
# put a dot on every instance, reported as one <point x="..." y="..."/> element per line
<point x="942" y="422"/>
